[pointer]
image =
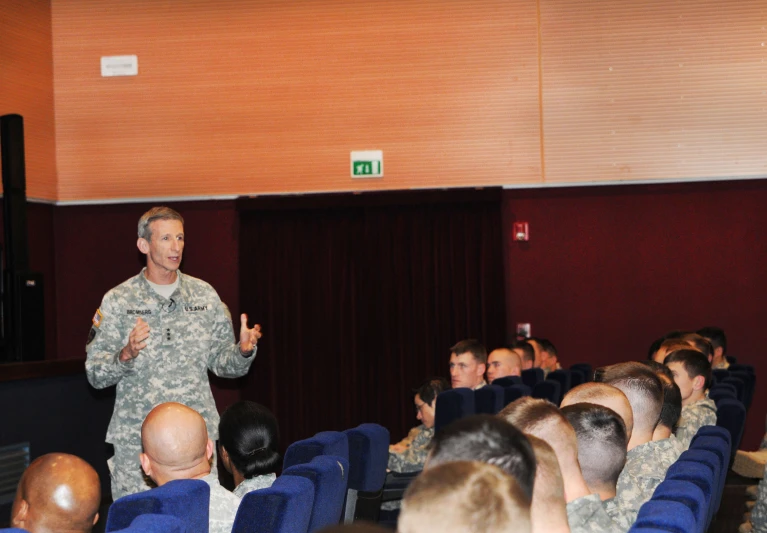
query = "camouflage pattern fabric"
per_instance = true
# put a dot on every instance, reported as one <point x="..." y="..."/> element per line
<point x="412" y="459"/>
<point x="623" y="520"/>
<point x="759" y="512"/>
<point x="190" y="334"/>
<point x="254" y="483"/>
<point x="668" y="451"/>
<point x="643" y="472"/>
<point x="587" y="515"/>
<point x="223" y="506"/>
<point x="695" y="416"/>
<point x="412" y="434"/>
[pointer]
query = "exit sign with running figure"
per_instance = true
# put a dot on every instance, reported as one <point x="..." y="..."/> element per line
<point x="367" y="164"/>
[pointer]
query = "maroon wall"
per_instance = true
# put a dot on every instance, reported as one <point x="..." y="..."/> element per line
<point x="609" y="269"/>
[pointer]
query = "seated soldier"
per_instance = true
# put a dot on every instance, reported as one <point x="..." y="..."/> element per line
<point x="249" y="439"/>
<point x="548" y="357"/>
<point x="176" y="446"/>
<point x="718" y="340"/>
<point x="701" y="344"/>
<point x="487" y="439"/>
<point x="606" y="396"/>
<point x="502" y="363"/>
<point x="463" y="496"/>
<point x="668" y="346"/>
<point x="644" y="469"/>
<point x="669" y="413"/>
<point x="468" y="362"/>
<point x="411" y="458"/>
<point x="691" y="372"/>
<point x="57" y="492"/>
<point x="548" y="511"/>
<point x="544" y="420"/>
<point x="526" y="353"/>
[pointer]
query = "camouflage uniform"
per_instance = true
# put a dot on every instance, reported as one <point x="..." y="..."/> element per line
<point x="189" y="334"/>
<point x="695" y="416"/>
<point x="644" y="470"/>
<point x="587" y="515"/>
<point x="620" y="517"/>
<point x="759" y="512"/>
<point x="254" y="483"/>
<point x="668" y="451"/>
<point x="223" y="506"/>
<point x="412" y="459"/>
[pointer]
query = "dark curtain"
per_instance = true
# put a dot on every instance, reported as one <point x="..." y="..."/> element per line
<point x="360" y="298"/>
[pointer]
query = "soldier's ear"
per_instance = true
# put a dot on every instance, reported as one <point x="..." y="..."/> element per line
<point x="143" y="245"/>
<point x="20" y="516"/>
<point x="209" y="450"/>
<point x="146" y="464"/>
<point x="699" y="383"/>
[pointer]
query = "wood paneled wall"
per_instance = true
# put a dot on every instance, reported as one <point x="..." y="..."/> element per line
<point x="26" y="87"/>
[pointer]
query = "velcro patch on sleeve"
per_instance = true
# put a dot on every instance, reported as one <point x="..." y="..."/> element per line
<point x="97" y="318"/>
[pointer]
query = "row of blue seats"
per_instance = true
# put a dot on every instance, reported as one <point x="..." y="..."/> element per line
<point x="319" y="476"/>
<point x="740" y="378"/>
<point x="690" y="495"/>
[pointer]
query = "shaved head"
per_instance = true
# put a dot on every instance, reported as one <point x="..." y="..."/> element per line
<point x="58" y="492"/>
<point x="176" y="444"/>
<point x="548" y="511"/>
<point x="606" y="396"/>
<point x="502" y="363"/>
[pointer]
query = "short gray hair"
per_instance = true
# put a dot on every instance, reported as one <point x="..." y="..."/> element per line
<point x="156" y="213"/>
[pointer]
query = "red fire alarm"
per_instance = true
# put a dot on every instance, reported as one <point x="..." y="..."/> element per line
<point x="521" y="231"/>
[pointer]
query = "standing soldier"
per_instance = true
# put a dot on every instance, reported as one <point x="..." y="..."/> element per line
<point x="156" y="336"/>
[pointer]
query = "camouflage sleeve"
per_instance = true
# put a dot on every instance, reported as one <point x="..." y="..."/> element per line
<point x="759" y="512"/>
<point x="622" y="518"/>
<point x="586" y="515"/>
<point x="412" y="459"/>
<point x="225" y="359"/>
<point x="105" y="341"/>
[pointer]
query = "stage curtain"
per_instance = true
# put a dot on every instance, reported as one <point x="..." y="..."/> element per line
<point x="360" y="298"/>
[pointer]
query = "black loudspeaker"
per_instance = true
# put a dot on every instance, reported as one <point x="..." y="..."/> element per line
<point x="23" y="305"/>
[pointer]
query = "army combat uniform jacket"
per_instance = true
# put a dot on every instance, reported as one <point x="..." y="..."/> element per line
<point x="412" y="459"/>
<point x="695" y="416"/>
<point x="190" y="333"/>
<point x="587" y="515"/>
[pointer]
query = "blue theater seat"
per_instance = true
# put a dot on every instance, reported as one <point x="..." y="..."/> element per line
<point x="548" y="390"/>
<point x="668" y="516"/>
<point x="714" y="431"/>
<point x="452" y="405"/>
<point x="488" y="400"/>
<point x="285" y="507"/>
<point x="531" y="376"/>
<point x="686" y="493"/>
<point x="368" y="459"/>
<point x="749" y="381"/>
<point x="739" y="384"/>
<point x="577" y="377"/>
<point x="731" y="415"/>
<point x="586" y="369"/>
<point x="186" y="499"/>
<point x="155" y="523"/>
<point x="698" y="474"/>
<point x="330" y="475"/>
<point x="721" y="448"/>
<point x="563" y="378"/>
<point x="323" y="443"/>
<point x="719" y="392"/>
<point x="507" y="381"/>
<point x="515" y="392"/>
<point x="708" y="460"/>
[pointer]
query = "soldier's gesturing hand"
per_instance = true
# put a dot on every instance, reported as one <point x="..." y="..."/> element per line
<point x="136" y="340"/>
<point x="248" y="336"/>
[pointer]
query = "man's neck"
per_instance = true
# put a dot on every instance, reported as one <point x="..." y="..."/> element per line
<point x="605" y="492"/>
<point x="160" y="276"/>
<point x="661" y="432"/>
<point x="638" y="438"/>
<point x="695" y="397"/>
<point x="575" y="485"/>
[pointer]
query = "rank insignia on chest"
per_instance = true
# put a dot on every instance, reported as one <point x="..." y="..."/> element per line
<point x="97" y="318"/>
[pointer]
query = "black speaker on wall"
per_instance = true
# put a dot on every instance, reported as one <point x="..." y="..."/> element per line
<point x="23" y="305"/>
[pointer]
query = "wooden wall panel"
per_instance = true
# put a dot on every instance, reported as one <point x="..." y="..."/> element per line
<point x="26" y="87"/>
<point x="654" y="89"/>
<point x="242" y="97"/>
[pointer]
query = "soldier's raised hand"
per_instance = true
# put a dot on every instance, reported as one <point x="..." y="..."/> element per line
<point x="248" y="336"/>
<point x="136" y="340"/>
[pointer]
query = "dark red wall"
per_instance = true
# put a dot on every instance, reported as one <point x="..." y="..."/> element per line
<point x="609" y="269"/>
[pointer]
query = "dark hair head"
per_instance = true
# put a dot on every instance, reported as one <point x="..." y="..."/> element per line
<point x="547" y="346"/>
<point x="700" y="343"/>
<point x="716" y="336"/>
<point x="694" y="363"/>
<point x="641" y="386"/>
<point x="431" y="389"/>
<point x="602" y="442"/>
<point x="528" y="352"/>
<point x="672" y="396"/>
<point x="654" y="347"/>
<point x="249" y="433"/>
<point x="487" y="439"/>
<point x="472" y="346"/>
<point x="659" y="368"/>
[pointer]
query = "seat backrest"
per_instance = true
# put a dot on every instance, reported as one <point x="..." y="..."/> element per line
<point x="186" y="499"/>
<point x="687" y="493"/>
<point x="452" y="405"/>
<point x="285" y="507"/>
<point x="737" y="367"/>
<point x="740" y="387"/>
<point x="731" y="415"/>
<point x="721" y="448"/>
<point x="662" y="515"/>
<point x="698" y="474"/>
<point x="731" y="359"/>
<point x="548" y="390"/>
<point x="368" y="456"/>
<point x="749" y="381"/>
<point x="720" y="374"/>
<point x="577" y="377"/>
<point x="488" y="400"/>
<point x="586" y="369"/>
<point x="562" y="377"/>
<point x="515" y="392"/>
<point x="323" y="443"/>
<point x="155" y="523"/>
<point x="531" y="376"/>
<point x="507" y="381"/>
<point x="330" y="475"/>
<point x="708" y="459"/>
<point x="714" y="431"/>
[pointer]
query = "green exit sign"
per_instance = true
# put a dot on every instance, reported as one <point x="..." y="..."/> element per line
<point x="367" y="164"/>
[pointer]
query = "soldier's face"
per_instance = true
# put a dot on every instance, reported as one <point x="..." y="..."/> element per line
<point x="425" y="411"/>
<point x="465" y="371"/>
<point x="166" y="247"/>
